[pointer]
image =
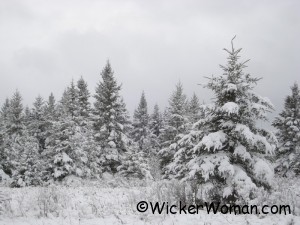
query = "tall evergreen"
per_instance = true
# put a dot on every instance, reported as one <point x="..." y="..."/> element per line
<point x="175" y="126"/>
<point x="288" y="125"/>
<point x="50" y="107"/>
<point x="83" y="99"/>
<point x="226" y="150"/>
<point x="16" y="116"/>
<point x="109" y="120"/>
<point x="38" y="124"/>
<point x="194" y="110"/>
<point x="155" y="126"/>
<point x="140" y="132"/>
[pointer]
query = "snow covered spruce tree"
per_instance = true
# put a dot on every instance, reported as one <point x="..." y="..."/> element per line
<point x="110" y="122"/>
<point x="175" y="126"/>
<point x="155" y="126"/>
<point x="136" y="160"/>
<point x="12" y="126"/>
<point x="288" y="125"/>
<point x="225" y="151"/>
<point x="5" y="165"/>
<point x="69" y="142"/>
<point x="140" y="132"/>
<point x="194" y="110"/>
<point x="84" y="108"/>
<point x="38" y="124"/>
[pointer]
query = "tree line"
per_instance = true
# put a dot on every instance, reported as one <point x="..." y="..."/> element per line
<point x="217" y="145"/>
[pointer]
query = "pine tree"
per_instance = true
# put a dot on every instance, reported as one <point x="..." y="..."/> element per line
<point x="109" y="120"/>
<point x="226" y="151"/>
<point x="12" y="129"/>
<point x="140" y="132"/>
<point x="28" y="164"/>
<point x="83" y="99"/>
<point x="4" y="138"/>
<point x="175" y="126"/>
<point x="38" y="124"/>
<point x="50" y="108"/>
<point x="72" y="100"/>
<point x="194" y="110"/>
<point x="16" y="117"/>
<point x="5" y="110"/>
<point x="288" y="125"/>
<point x="155" y="126"/>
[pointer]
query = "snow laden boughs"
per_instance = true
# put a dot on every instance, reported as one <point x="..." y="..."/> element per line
<point x="110" y="121"/>
<point x="226" y="152"/>
<point x="288" y="125"/>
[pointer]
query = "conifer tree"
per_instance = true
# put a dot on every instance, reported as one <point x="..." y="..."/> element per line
<point x="226" y="150"/>
<point x="38" y="124"/>
<point x="16" y="117"/>
<point x="109" y="120"/>
<point x="155" y="126"/>
<point x="50" y="107"/>
<point x="288" y="125"/>
<point x="175" y="126"/>
<point x="194" y="110"/>
<point x="83" y="99"/>
<point x="140" y="132"/>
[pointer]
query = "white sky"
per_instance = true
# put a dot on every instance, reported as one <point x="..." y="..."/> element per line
<point x="150" y="44"/>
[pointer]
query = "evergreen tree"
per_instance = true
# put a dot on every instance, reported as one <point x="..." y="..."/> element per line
<point x="28" y="165"/>
<point x="5" y="110"/>
<point x="288" y="125"/>
<point x="16" y="117"/>
<point x="109" y="120"/>
<point x="83" y="99"/>
<point x="194" y="110"/>
<point x="38" y="124"/>
<point x="225" y="152"/>
<point x="140" y="132"/>
<point x="50" y="108"/>
<point x="72" y="100"/>
<point x="12" y="127"/>
<point x="175" y="126"/>
<point x="156" y="126"/>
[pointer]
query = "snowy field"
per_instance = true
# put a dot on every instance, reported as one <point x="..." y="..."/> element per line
<point x="109" y="202"/>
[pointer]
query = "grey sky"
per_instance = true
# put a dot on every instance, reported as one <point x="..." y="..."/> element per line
<point x="151" y="45"/>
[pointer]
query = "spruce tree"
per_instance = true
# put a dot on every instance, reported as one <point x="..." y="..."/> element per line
<point x="140" y="132"/>
<point x="288" y="125"/>
<point x="194" y="110"/>
<point x="83" y="99"/>
<point x="109" y="121"/>
<point x="38" y="124"/>
<point x="175" y="126"/>
<point x="155" y="126"/>
<point x="225" y="152"/>
<point x="50" y="108"/>
<point x="16" y="116"/>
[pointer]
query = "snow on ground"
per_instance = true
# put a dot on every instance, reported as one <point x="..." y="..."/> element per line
<point x="113" y="202"/>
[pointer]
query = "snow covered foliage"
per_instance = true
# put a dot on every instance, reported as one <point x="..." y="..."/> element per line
<point x="288" y="125"/>
<point x="175" y="125"/>
<point x="225" y="151"/>
<point x="110" y="121"/>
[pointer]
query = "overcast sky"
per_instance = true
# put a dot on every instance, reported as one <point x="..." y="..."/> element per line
<point x="151" y="45"/>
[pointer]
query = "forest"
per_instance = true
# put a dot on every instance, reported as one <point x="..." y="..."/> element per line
<point x="216" y="147"/>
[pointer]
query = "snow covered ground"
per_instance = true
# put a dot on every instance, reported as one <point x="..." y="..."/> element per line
<point x="112" y="202"/>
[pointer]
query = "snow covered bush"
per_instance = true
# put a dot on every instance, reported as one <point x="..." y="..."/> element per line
<point x="226" y="152"/>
